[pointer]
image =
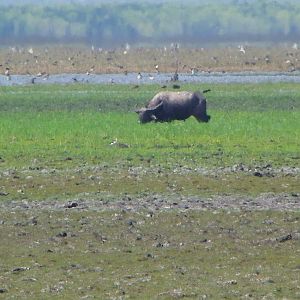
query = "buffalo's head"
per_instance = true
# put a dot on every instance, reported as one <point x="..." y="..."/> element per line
<point x="148" y="114"/>
<point x="204" y="118"/>
<point x="200" y="112"/>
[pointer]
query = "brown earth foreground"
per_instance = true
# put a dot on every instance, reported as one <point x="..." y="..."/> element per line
<point x="78" y="59"/>
<point x="149" y="245"/>
<point x="151" y="248"/>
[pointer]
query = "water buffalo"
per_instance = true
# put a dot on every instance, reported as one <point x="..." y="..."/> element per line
<point x="168" y="106"/>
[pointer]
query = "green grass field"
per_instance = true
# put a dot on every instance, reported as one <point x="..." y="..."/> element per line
<point x="69" y="127"/>
<point x="250" y="124"/>
<point x="82" y="126"/>
<point x="55" y="147"/>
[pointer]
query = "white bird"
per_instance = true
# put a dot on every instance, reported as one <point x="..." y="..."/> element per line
<point x="46" y="77"/>
<point x="295" y="46"/>
<point x="151" y="77"/>
<point x="194" y="71"/>
<point x="242" y="49"/>
<point x="30" y="51"/>
<point x="139" y="76"/>
<point x="114" y="142"/>
<point x="118" y="144"/>
<point x="127" y="47"/>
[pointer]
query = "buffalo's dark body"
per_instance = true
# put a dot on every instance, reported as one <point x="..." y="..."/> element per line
<point x="169" y="106"/>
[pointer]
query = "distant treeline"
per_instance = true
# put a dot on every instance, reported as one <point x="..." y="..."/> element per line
<point x="113" y="24"/>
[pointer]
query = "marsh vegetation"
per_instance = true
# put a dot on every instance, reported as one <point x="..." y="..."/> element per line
<point x="94" y="204"/>
<point x="110" y="23"/>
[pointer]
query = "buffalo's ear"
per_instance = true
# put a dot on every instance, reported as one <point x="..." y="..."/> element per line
<point x="203" y="104"/>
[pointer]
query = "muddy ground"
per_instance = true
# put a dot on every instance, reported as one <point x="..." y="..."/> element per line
<point x="80" y="243"/>
<point x="153" y="247"/>
<point x="153" y="203"/>
<point x="152" y="188"/>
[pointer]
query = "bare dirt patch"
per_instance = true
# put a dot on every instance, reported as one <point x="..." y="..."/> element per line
<point x="267" y="201"/>
<point x="86" y="249"/>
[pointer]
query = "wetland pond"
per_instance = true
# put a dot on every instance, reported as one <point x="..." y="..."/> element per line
<point x="147" y="78"/>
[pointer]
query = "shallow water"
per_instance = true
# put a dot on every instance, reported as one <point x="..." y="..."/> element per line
<point x="163" y="78"/>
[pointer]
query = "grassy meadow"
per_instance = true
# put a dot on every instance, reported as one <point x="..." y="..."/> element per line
<point x="65" y="128"/>
<point x="73" y="144"/>
<point x="250" y="124"/>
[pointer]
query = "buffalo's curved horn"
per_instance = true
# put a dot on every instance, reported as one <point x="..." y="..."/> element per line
<point x="206" y="91"/>
<point x="139" y="110"/>
<point x="155" y="108"/>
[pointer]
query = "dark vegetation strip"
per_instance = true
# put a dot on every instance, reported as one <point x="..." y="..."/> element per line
<point x="107" y="98"/>
<point x="116" y="23"/>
